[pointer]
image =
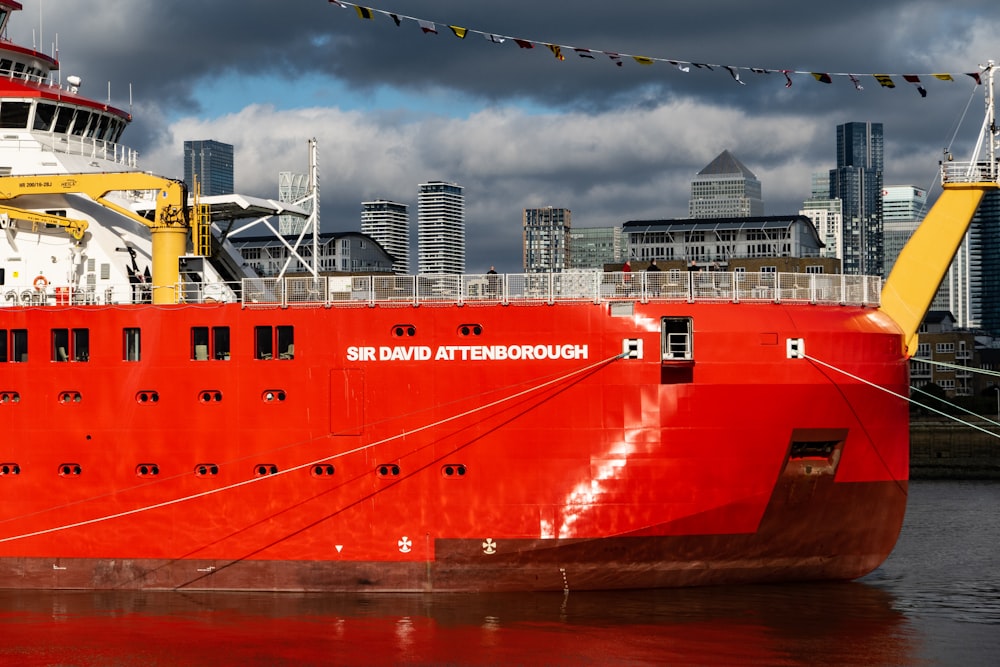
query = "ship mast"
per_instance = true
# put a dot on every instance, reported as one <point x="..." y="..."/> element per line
<point x="924" y="261"/>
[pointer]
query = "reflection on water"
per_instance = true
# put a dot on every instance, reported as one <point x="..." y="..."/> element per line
<point x="772" y="625"/>
<point x="936" y="601"/>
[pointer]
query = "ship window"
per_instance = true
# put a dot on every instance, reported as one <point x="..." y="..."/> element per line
<point x="14" y="114"/>
<point x="269" y="339"/>
<point x="210" y="343"/>
<point x="3" y="345"/>
<point x="220" y="343"/>
<point x="19" y="345"/>
<point x="132" y="340"/>
<point x="63" y="119"/>
<point x="80" y="125"/>
<point x="199" y="343"/>
<point x="5" y="65"/>
<point x="44" y="115"/>
<point x="70" y="345"/>
<point x="101" y="126"/>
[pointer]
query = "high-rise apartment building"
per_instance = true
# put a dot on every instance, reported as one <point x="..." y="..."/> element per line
<point x="388" y="222"/>
<point x="903" y="207"/>
<point x="546" y="239"/>
<point x="725" y="189"/>
<point x="593" y="247"/>
<point x="827" y="215"/>
<point x="440" y="228"/>
<point x="857" y="183"/>
<point x="211" y="162"/>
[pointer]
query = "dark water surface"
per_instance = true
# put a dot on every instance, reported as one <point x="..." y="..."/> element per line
<point x="936" y="601"/>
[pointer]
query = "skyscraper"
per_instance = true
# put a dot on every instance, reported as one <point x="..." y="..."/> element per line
<point x="212" y="163"/>
<point x="903" y="207"/>
<point x="441" y="228"/>
<point x="546" y="239"/>
<point x="593" y="247"/>
<point x="827" y="215"/>
<point x="388" y="223"/>
<point x="725" y="189"/>
<point x="857" y="183"/>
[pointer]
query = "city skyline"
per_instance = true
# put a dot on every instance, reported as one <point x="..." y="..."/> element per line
<point x="392" y="106"/>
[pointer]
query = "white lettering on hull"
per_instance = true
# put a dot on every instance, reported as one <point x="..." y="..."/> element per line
<point x="566" y="352"/>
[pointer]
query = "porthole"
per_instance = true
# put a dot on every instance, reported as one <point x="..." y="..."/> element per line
<point x="210" y="396"/>
<point x="323" y="470"/>
<point x="265" y="469"/>
<point x="453" y="470"/>
<point x="66" y="397"/>
<point x="70" y="470"/>
<point x="470" y="330"/>
<point x="9" y="469"/>
<point x="9" y="397"/>
<point x="206" y="470"/>
<point x="404" y="330"/>
<point x="147" y="397"/>
<point x="388" y="470"/>
<point x="147" y="470"/>
<point x="274" y="395"/>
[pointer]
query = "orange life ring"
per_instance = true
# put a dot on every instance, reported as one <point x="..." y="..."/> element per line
<point x="40" y="283"/>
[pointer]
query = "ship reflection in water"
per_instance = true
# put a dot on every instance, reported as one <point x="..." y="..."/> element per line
<point x="835" y="624"/>
<point x="935" y="601"/>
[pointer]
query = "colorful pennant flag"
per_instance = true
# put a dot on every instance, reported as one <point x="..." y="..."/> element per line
<point x="884" y="80"/>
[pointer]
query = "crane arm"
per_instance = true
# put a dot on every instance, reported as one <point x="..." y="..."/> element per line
<point x="75" y="228"/>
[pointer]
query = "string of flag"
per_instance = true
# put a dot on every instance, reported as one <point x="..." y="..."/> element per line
<point x="560" y="51"/>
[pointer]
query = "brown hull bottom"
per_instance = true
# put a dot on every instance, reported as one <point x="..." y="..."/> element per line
<point x="813" y="529"/>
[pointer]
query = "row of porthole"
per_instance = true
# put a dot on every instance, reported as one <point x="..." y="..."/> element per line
<point x="260" y="470"/>
<point x="408" y="330"/>
<point x="151" y="397"/>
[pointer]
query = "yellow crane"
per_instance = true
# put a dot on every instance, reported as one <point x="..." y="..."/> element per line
<point x="169" y="227"/>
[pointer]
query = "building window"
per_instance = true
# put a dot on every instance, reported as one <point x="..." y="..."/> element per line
<point x="814" y="269"/>
<point x="131" y="346"/>
<point x="944" y="348"/>
<point x="768" y="269"/>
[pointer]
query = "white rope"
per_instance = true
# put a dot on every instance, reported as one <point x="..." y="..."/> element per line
<point x="908" y="399"/>
<point x="945" y="364"/>
<point x="332" y="457"/>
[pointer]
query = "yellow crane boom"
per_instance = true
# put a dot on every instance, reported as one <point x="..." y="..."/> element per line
<point x="169" y="228"/>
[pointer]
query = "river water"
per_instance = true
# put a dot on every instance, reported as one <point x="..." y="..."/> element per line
<point x="936" y="601"/>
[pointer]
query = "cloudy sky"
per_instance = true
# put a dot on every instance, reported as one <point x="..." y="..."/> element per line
<point x="392" y="107"/>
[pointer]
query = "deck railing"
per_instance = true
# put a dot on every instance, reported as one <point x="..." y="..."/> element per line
<point x="553" y="288"/>
<point x="471" y="289"/>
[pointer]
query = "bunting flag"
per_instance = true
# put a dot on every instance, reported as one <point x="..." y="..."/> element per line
<point x="430" y="27"/>
<point x="735" y="75"/>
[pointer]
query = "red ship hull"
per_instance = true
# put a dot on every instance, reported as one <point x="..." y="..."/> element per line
<point x="406" y="449"/>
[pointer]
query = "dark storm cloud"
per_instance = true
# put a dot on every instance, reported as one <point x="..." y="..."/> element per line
<point x="613" y="143"/>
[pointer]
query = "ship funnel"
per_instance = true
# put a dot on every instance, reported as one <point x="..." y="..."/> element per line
<point x="74" y="83"/>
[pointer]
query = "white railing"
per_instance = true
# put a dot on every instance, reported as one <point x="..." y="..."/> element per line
<point x="546" y="288"/>
<point x="983" y="171"/>
<point x="472" y="289"/>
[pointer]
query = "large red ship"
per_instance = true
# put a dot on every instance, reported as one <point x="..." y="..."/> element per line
<point x="195" y="427"/>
